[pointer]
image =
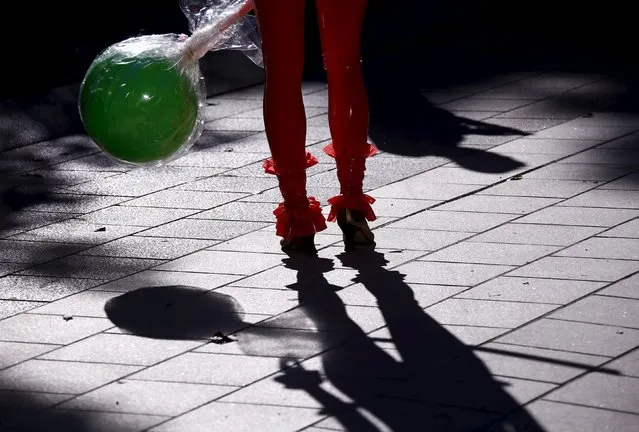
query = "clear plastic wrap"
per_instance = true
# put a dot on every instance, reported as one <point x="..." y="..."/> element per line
<point x="141" y="99"/>
<point x="224" y="25"/>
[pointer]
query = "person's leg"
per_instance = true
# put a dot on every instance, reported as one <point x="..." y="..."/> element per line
<point x="281" y="24"/>
<point x="341" y="25"/>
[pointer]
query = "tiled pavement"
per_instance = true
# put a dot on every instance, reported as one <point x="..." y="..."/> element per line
<point x="506" y="276"/>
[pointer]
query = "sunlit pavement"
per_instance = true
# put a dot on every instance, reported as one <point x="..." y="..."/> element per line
<point x="502" y="295"/>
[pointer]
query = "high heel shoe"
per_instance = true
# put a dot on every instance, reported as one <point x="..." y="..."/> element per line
<point x="304" y="245"/>
<point x="355" y="229"/>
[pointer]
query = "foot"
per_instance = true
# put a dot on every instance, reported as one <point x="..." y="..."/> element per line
<point x="355" y="229"/>
<point x="304" y="245"/>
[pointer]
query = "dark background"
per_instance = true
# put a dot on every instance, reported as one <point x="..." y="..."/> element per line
<point x="52" y="43"/>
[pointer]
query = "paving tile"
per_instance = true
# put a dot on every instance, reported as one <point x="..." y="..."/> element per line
<point x="240" y="263"/>
<point x="17" y="352"/>
<point x="172" y="198"/>
<point x="532" y="290"/>
<point x="573" y="418"/>
<point x="63" y="178"/>
<point x="440" y="273"/>
<point x="75" y="203"/>
<point x="545" y="146"/>
<point x="456" y="175"/>
<point x="202" y="368"/>
<point x="18" y="406"/>
<point x="84" y="304"/>
<point x="605" y="270"/>
<point x="149" y="247"/>
<point x="484" y="141"/>
<point x="627" y="364"/>
<point x="571" y="130"/>
<point x="310" y="317"/>
<point x="204" y="229"/>
<point x="400" y="208"/>
<point x="276" y="342"/>
<point x="630" y="141"/>
<point x="261" y="301"/>
<point x="604" y="247"/>
<point x="411" y="239"/>
<point x="599" y="156"/>
<point x="212" y="159"/>
<point x="624" y="288"/>
<point x="602" y="310"/>
<point x="575" y="337"/>
<point x="476" y="104"/>
<point x="153" y="278"/>
<point x="606" y="198"/>
<point x="121" y="349"/>
<point x="271" y="392"/>
<point x="226" y="183"/>
<point x="91" y="420"/>
<point x="525" y="125"/>
<point x="233" y="124"/>
<point x="540" y="188"/>
<point x="576" y="171"/>
<point x="27" y="220"/>
<point x="585" y="216"/>
<point x="240" y="211"/>
<point x="517" y="162"/>
<point x="91" y="267"/>
<point x="281" y="277"/>
<point x="533" y="234"/>
<point x="242" y="418"/>
<point x="256" y="241"/>
<point x="147" y="397"/>
<point x="78" y="232"/>
<point x="474" y="335"/>
<point x="125" y="215"/>
<point x="8" y="268"/>
<point x="630" y="181"/>
<point x="223" y="107"/>
<point x="453" y="221"/>
<point x="536" y="363"/>
<point x="490" y="253"/>
<point x="95" y="162"/>
<point x="486" y="313"/>
<point x="414" y="188"/>
<point x="602" y="391"/>
<point x="49" y="329"/>
<point x="628" y="229"/>
<point x="499" y="204"/>
<point x="425" y="295"/>
<point x="380" y="259"/>
<point x="129" y="185"/>
<point x="9" y="308"/>
<point x="274" y="196"/>
<point x="549" y="108"/>
<point x="35" y="252"/>
<point x="61" y="377"/>
<point x="520" y="392"/>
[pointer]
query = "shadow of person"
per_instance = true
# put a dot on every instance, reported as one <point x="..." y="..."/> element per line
<point x="404" y="122"/>
<point x="443" y="370"/>
<point x="432" y="383"/>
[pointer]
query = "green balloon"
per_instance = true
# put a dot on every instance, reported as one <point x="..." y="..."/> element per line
<point x="138" y="104"/>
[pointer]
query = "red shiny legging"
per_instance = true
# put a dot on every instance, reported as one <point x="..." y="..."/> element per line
<point x="281" y="25"/>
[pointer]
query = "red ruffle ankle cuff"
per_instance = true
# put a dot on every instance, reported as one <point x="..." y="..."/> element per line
<point x="370" y="150"/>
<point x="299" y="222"/>
<point x="270" y="168"/>
<point x="352" y="202"/>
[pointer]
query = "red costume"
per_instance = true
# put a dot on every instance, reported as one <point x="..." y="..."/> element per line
<point x="281" y="25"/>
